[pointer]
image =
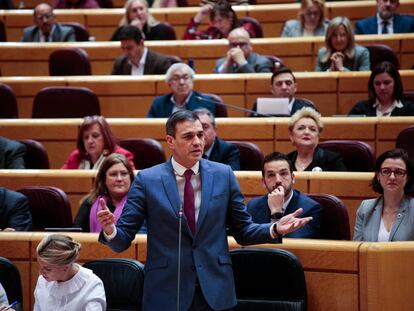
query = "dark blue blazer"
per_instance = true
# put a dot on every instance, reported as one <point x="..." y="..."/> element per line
<point x="369" y="25"/>
<point x="14" y="211"/>
<point x="162" y="106"/>
<point x="297" y="105"/>
<point x="225" y="153"/>
<point x="259" y="209"/>
<point x="205" y="255"/>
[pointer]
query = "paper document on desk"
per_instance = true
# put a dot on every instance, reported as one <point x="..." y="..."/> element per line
<point x="273" y="106"/>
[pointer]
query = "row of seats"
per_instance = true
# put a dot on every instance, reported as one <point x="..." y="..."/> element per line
<point x="123" y="280"/>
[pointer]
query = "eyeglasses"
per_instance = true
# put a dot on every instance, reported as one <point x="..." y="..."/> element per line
<point x="238" y="44"/>
<point x="177" y="79"/>
<point x="41" y="17"/>
<point x="398" y="173"/>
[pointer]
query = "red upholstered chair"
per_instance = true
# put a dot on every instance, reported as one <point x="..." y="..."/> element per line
<point x="169" y="31"/>
<point x="107" y="4"/>
<point x="405" y="141"/>
<point x="221" y="110"/>
<point x="379" y="53"/>
<point x="65" y="102"/>
<point x="251" y="157"/>
<point x="358" y="156"/>
<point x="3" y="35"/>
<point x="409" y="96"/>
<point x="8" y="102"/>
<point x="257" y="27"/>
<point x="69" y="62"/>
<point x="36" y="155"/>
<point x="147" y="151"/>
<point x="81" y="33"/>
<point x="49" y="206"/>
<point x="335" y="221"/>
<point x="276" y="61"/>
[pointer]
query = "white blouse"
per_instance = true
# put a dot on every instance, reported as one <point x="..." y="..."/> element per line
<point x="85" y="291"/>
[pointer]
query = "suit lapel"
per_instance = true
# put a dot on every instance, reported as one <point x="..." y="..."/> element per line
<point x="206" y="189"/>
<point x="149" y="64"/>
<point x="400" y="217"/>
<point x="170" y="187"/>
<point x="376" y="220"/>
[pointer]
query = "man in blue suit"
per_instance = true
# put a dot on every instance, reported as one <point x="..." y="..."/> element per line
<point x="179" y="78"/>
<point x="387" y="21"/>
<point x="210" y="196"/>
<point x="278" y="179"/>
<point x="283" y="85"/>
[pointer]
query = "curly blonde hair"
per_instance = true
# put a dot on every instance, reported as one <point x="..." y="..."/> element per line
<point x="58" y="250"/>
<point x="306" y="112"/>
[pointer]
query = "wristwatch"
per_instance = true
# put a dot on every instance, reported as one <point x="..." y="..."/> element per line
<point x="276" y="216"/>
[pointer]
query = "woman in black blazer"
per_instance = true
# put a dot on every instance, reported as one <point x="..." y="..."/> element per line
<point x="385" y="94"/>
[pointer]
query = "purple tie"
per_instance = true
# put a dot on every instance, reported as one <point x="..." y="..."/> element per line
<point x="189" y="209"/>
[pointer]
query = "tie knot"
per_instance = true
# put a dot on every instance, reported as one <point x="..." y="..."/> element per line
<point x="188" y="174"/>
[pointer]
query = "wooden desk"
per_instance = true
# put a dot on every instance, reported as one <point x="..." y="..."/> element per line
<point x="31" y="59"/>
<point x="102" y="23"/>
<point x="126" y="96"/>
<point x="340" y="275"/>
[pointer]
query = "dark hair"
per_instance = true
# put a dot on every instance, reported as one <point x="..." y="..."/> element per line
<point x="208" y="113"/>
<point x="276" y="156"/>
<point x="178" y="117"/>
<point x="110" y="140"/>
<point x="223" y="8"/>
<point x="131" y="33"/>
<point x="99" y="186"/>
<point x="394" y="154"/>
<point x="385" y="67"/>
<point x="281" y="70"/>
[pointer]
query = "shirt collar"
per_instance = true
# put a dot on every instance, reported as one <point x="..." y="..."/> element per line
<point x="185" y="102"/>
<point x="141" y="62"/>
<point x="395" y="104"/>
<point x="208" y="152"/>
<point x="180" y="170"/>
<point x="380" y="20"/>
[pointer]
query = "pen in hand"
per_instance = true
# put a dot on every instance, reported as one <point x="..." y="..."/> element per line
<point x="11" y="305"/>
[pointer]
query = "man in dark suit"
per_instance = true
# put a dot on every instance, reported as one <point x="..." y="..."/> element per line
<point x="180" y="79"/>
<point x="283" y="85"/>
<point x="240" y="57"/>
<point x="387" y="20"/>
<point x="14" y="211"/>
<point x="206" y="197"/>
<point x="46" y="29"/>
<point x="138" y="59"/>
<point x="11" y="154"/>
<point x="216" y="149"/>
<point x="278" y="179"/>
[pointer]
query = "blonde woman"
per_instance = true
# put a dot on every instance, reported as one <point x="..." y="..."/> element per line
<point x="305" y="127"/>
<point x="62" y="283"/>
<point x="340" y="52"/>
<point x="311" y="20"/>
<point x="137" y="14"/>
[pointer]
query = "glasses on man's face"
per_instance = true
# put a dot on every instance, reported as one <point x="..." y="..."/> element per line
<point x="398" y="173"/>
<point x="177" y="79"/>
<point x="238" y="44"/>
<point x="41" y="17"/>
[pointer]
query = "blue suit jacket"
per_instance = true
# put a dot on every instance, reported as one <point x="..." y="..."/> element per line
<point x="259" y="209"/>
<point x="369" y="25"/>
<point x="60" y="34"/>
<point x="162" y="106"/>
<point x="368" y="219"/>
<point x="154" y="196"/>
<point x="255" y="63"/>
<point x="225" y="153"/>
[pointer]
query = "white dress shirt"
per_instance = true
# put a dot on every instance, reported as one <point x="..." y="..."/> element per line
<point x="139" y="70"/>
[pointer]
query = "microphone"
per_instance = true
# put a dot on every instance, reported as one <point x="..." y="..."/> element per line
<point x="216" y="102"/>
<point x="317" y="169"/>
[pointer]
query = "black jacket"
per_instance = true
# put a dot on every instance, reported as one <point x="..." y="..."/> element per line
<point x="14" y="211"/>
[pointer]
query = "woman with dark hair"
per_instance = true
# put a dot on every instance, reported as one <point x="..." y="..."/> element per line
<point x="112" y="184"/>
<point x="137" y="14"/>
<point x="63" y="284"/>
<point x="340" y="52"/>
<point x="222" y="20"/>
<point x="94" y="143"/>
<point x="391" y="216"/>
<point x="311" y="20"/>
<point x="75" y="4"/>
<point x="385" y="94"/>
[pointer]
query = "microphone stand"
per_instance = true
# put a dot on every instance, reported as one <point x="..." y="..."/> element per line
<point x="180" y="220"/>
<point x="213" y="101"/>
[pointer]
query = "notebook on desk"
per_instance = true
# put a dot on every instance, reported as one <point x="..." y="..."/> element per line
<point x="273" y="106"/>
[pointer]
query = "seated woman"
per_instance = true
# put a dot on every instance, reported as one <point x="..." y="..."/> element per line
<point x="94" y="143"/>
<point x="340" y="52"/>
<point x="389" y="217"/>
<point x="75" y="4"/>
<point x="222" y="20"/>
<point x="62" y="283"/>
<point x="311" y="20"/>
<point x="112" y="184"/>
<point x="385" y="94"/>
<point x="305" y="127"/>
<point x="137" y="14"/>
